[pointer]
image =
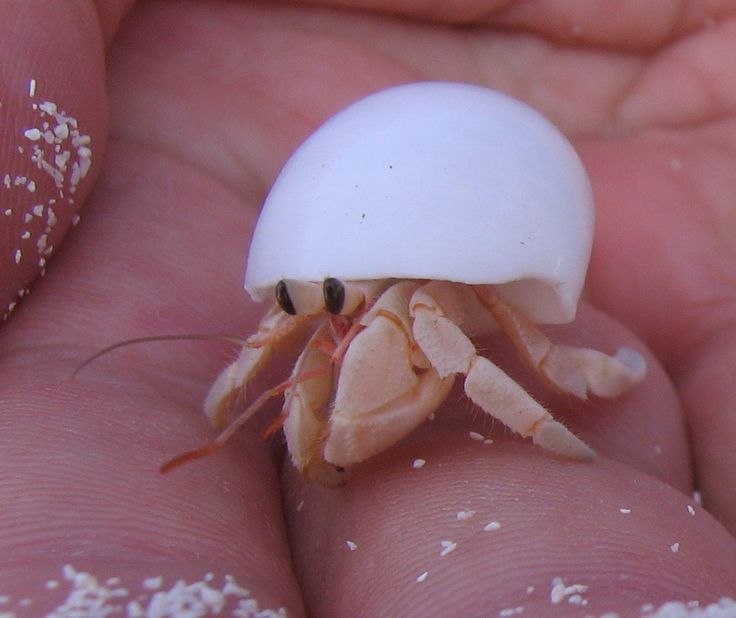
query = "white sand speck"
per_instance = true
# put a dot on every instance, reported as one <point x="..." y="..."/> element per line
<point x="447" y="547"/>
<point x="573" y="593"/>
<point x="153" y="583"/>
<point x="88" y="597"/>
<point x="724" y="608"/>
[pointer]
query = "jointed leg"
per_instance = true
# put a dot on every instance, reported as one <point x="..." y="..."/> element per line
<point x="450" y="351"/>
<point x="257" y="350"/>
<point x="571" y="370"/>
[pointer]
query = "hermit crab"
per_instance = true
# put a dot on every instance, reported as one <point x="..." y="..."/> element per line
<point x="407" y="225"/>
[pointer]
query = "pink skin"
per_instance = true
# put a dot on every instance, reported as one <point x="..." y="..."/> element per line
<point x="206" y="102"/>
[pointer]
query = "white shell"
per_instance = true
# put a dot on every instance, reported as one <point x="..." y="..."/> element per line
<point x="432" y="181"/>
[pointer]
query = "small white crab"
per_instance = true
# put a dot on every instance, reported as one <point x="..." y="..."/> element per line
<point x="407" y="225"/>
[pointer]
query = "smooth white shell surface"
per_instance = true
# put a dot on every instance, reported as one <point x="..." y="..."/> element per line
<point x="432" y="181"/>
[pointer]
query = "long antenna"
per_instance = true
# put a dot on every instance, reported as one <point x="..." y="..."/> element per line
<point x="127" y="342"/>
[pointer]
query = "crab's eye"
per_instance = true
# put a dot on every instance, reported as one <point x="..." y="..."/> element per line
<point x="300" y="297"/>
<point x="334" y="294"/>
<point x="283" y="298"/>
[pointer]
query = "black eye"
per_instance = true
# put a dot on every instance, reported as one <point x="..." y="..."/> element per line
<point x="334" y="293"/>
<point x="283" y="298"/>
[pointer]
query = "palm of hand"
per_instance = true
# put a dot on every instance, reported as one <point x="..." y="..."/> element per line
<point x="206" y="103"/>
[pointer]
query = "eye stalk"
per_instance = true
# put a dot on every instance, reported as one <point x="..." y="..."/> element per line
<point x="333" y="291"/>
<point x="283" y="298"/>
<point x="299" y="297"/>
<point x="344" y="298"/>
<point x="311" y="298"/>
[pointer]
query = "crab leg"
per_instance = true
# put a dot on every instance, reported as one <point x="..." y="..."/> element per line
<point x="256" y="351"/>
<point x="576" y="371"/>
<point x="306" y="407"/>
<point x="451" y="352"/>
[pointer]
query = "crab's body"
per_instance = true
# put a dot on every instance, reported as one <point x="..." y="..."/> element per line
<point x="368" y="378"/>
<point x="407" y="225"/>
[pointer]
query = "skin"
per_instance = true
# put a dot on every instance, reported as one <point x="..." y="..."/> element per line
<point x="192" y="108"/>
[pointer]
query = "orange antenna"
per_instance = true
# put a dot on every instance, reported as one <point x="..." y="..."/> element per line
<point x="230" y="430"/>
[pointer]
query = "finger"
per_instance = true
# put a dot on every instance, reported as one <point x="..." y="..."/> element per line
<point x="634" y="26"/>
<point x="482" y="530"/>
<point x="53" y="111"/>
<point x="539" y="495"/>
<point x="672" y="276"/>
<point x="83" y="455"/>
<point x="644" y="428"/>
<point x="369" y="52"/>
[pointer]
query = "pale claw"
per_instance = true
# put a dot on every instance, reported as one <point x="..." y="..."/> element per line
<point x="306" y="409"/>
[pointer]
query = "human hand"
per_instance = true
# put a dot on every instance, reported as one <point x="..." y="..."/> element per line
<point x="206" y="102"/>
